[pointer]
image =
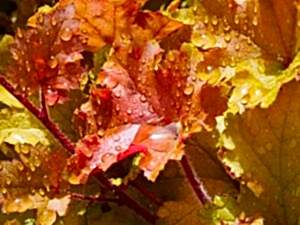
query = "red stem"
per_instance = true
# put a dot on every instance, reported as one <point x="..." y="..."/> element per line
<point x="70" y="147"/>
<point x="40" y="114"/>
<point x="131" y="203"/>
<point x="150" y="195"/>
<point x="194" y="181"/>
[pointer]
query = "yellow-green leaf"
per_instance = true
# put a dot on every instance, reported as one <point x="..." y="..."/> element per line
<point x="265" y="156"/>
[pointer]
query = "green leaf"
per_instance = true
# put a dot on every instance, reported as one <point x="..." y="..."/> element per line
<point x="16" y="136"/>
<point x="225" y="210"/>
<point x="18" y="127"/>
<point x="29" y="221"/>
<point x="5" y="58"/>
<point x="8" y="99"/>
<point x="263" y="153"/>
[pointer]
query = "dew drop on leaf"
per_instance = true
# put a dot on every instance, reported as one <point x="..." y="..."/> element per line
<point x="8" y="181"/>
<point x="66" y="34"/>
<point x="143" y="98"/>
<point x="20" y="33"/>
<point x="118" y="148"/>
<point x="52" y="62"/>
<point x="214" y="21"/>
<point x="255" y="21"/>
<point x="41" y="191"/>
<point x="189" y="89"/>
<point x="53" y="22"/>
<point x="106" y="157"/>
<point x="3" y="190"/>
<point x="28" y="178"/>
<point x="236" y="19"/>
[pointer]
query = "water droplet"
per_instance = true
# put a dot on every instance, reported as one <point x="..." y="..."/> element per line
<point x="15" y="55"/>
<point x="141" y="114"/>
<point x="236" y="19"/>
<point x="106" y="157"/>
<point x="20" y="166"/>
<point x="143" y="98"/>
<point x="53" y="21"/>
<point x="209" y="68"/>
<point x="4" y="191"/>
<point x="25" y="150"/>
<point x="8" y="181"/>
<point x="129" y="111"/>
<point x="52" y="62"/>
<point x="28" y="68"/>
<point x="32" y="168"/>
<point x="118" y="148"/>
<point x="20" y="33"/>
<point x="66" y="34"/>
<point x="101" y="133"/>
<point x="28" y="178"/>
<point x="37" y="162"/>
<point x="255" y="21"/>
<point x="227" y="37"/>
<point x="226" y="28"/>
<point x="117" y="108"/>
<point x="214" y="20"/>
<point x="189" y="89"/>
<point x="255" y="10"/>
<point x="41" y="191"/>
<point x="206" y="20"/>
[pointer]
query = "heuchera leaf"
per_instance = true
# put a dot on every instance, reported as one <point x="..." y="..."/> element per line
<point x="31" y="183"/>
<point x="5" y="57"/>
<point x="142" y="93"/>
<point x="260" y="150"/>
<point x="8" y="100"/>
<point x="231" y="57"/>
<point x="30" y="172"/>
<point x="271" y="24"/>
<point x="48" y="54"/>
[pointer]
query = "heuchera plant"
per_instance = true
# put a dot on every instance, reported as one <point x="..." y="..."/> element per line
<point x="151" y="112"/>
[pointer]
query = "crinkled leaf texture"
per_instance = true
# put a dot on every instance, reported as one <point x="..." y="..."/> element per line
<point x="30" y="172"/>
<point x="135" y="90"/>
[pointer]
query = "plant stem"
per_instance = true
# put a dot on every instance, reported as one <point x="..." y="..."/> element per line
<point x="194" y="181"/>
<point x="70" y="147"/>
<point x="150" y="195"/>
<point x="126" y="199"/>
<point x="39" y="114"/>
